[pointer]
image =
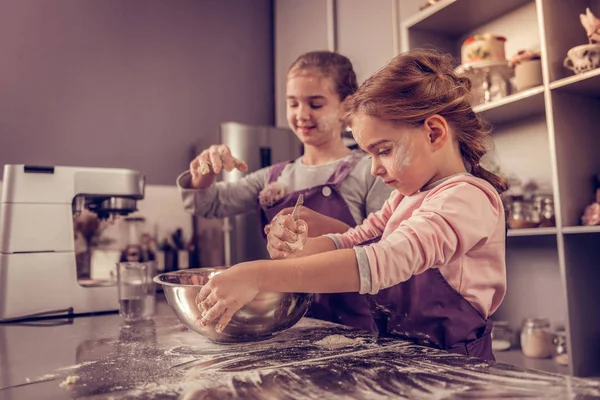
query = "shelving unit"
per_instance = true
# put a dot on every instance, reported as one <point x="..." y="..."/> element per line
<point x="569" y="230"/>
<point x="532" y="232"/>
<point x="513" y="107"/>
<point x="587" y="83"/>
<point x="552" y="272"/>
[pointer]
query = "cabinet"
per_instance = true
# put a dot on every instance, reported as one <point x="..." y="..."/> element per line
<point x="548" y="133"/>
<point x="367" y="32"/>
<point x="300" y="26"/>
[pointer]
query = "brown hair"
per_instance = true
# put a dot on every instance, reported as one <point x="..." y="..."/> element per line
<point x="420" y="83"/>
<point x="333" y="65"/>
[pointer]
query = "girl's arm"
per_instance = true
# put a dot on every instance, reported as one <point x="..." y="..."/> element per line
<point x="329" y="272"/>
<point x="222" y="199"/>
<point x="373" y="226"/>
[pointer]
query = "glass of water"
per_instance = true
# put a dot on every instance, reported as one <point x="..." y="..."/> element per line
<point x="137" y="291"/>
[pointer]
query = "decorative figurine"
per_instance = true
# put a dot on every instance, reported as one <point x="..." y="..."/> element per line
<point x="591" y="24"/>
<point x="591" y="215"/>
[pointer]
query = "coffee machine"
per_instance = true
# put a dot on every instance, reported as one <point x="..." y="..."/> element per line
<point x="38" y="268"/>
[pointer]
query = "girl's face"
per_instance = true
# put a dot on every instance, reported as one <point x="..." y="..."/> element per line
<point x="400" y="154"/>
<point x="314" y="109"/>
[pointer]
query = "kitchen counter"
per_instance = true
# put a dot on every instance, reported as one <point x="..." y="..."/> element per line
<point x="314" y="360"/>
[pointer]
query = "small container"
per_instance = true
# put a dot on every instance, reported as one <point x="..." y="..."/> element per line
<point x="502" y="336"/>
<point x="560" y="350"/>
<point x="528" y="74"/>
<point x="536" y="338"/>
<point x="522" y="215"/>
<point x="137" y="290"/>
<point x="547" y="218"/>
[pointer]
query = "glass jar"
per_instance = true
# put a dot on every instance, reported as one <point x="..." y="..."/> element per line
<point x="547" y="219"/>
<point x="521" y="215"/>
<point x="536" y="338"/>
<point x="502" y="336"/>
<point x="560" y="350"/>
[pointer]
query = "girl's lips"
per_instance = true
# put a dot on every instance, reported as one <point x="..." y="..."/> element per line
<point x="305" y="129"/>
<point x="391" y="183"/>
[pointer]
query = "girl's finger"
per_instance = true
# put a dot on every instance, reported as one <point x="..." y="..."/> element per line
<point x="215" y="159"/>
<point x="240" y="164"/>
<point x="225" y="319"/>
<point x="213" y="313"/>
<point x="203" y="294"/>
<point x="276" y="254"/>
<point x="204" y="165"/>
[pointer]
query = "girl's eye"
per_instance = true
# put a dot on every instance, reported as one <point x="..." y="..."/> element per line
<point x="292" y="105"/>
<point x="316" y="106"/>
<point x="383" y="152"/>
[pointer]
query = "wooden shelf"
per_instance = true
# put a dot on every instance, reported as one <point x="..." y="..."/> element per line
<point x="587" y="83"/>
<point x="513" y="107"/>
<point x="532" y="232"/>
<point x="441" y="18"/>
<point x="567" y="230"/>
<point x="516" y="357"/>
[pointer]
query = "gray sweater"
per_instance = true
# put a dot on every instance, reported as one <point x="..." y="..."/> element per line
<point x="363" y="192"/>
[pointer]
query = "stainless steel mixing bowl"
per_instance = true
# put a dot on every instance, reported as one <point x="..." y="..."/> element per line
<point x="265" y="316"/>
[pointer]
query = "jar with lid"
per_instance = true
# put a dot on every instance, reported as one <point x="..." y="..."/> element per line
<point x="502" y="336"/>
<point x="521" y="215"/>
<point x="536" y="338"/>
<point x="560" y="352"/>
<point x="547" y="212"/>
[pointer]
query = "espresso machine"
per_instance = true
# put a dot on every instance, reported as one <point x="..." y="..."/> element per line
<point x="38" y="267"/>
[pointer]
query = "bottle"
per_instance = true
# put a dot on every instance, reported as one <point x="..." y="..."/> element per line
<point x="193" y="252"/>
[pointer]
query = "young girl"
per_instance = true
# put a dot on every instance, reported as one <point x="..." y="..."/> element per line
<point x="338" y="190"/>
<point x="432" y="259"/>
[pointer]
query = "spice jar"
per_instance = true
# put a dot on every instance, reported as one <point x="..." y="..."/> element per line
<point x="560" y="351"/>
<point x="521" y="215"/>
<point x="501" y="336"/>
<point x="547" y="219"/>
<point x="536" y="338"/>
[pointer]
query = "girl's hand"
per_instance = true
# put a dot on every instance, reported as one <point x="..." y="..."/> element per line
<point x="285" y="236"/>
<point x="319" y="224"/>
<point x="212" y="161"/>
<point x="226" y="293"/>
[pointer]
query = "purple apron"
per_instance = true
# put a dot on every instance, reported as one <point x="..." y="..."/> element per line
<point x="350" y="309"/>
<point x="428" y="310"/>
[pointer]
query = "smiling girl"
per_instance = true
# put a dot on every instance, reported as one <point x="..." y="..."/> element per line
<point x="335" y="182"/>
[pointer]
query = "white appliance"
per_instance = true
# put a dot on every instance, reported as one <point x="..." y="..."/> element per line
<point x="38" y="268"/>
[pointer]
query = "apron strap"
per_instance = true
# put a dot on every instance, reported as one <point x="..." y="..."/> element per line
<point x="478" y="347"/>
<point x="345" y="168"/>
<point x="276" y="171"/>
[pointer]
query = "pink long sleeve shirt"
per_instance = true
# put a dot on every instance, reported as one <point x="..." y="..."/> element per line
<point x="456" y="225"/>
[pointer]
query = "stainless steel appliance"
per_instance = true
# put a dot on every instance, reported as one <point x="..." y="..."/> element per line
<point x="259" y="146"/>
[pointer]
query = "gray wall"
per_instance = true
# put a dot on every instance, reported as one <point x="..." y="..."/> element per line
<point x="130" y="83"/>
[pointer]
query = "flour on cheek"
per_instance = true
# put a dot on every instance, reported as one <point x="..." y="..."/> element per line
<point x="329" y="123"/>
<point x="404" y="155"/>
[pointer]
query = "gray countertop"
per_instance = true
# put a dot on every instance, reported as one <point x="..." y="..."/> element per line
<point x="314" y="360"/>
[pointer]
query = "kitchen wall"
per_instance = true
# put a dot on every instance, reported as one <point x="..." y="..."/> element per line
<point x="130" y="83"/>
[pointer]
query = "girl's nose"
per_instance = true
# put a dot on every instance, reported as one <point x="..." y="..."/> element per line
<point x="303" y="113"/>
<point x="376" y="168"/>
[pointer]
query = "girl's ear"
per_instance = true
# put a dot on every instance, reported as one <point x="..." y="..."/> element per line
<point x="437" y="130"/>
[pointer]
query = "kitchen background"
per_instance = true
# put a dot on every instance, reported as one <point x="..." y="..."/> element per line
<point x="144" y="84"/>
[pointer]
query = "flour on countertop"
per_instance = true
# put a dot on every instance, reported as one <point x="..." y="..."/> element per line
<point x="338" y="341"/>
<point x="69" y="381"/>
<point x="76" y="366"/>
